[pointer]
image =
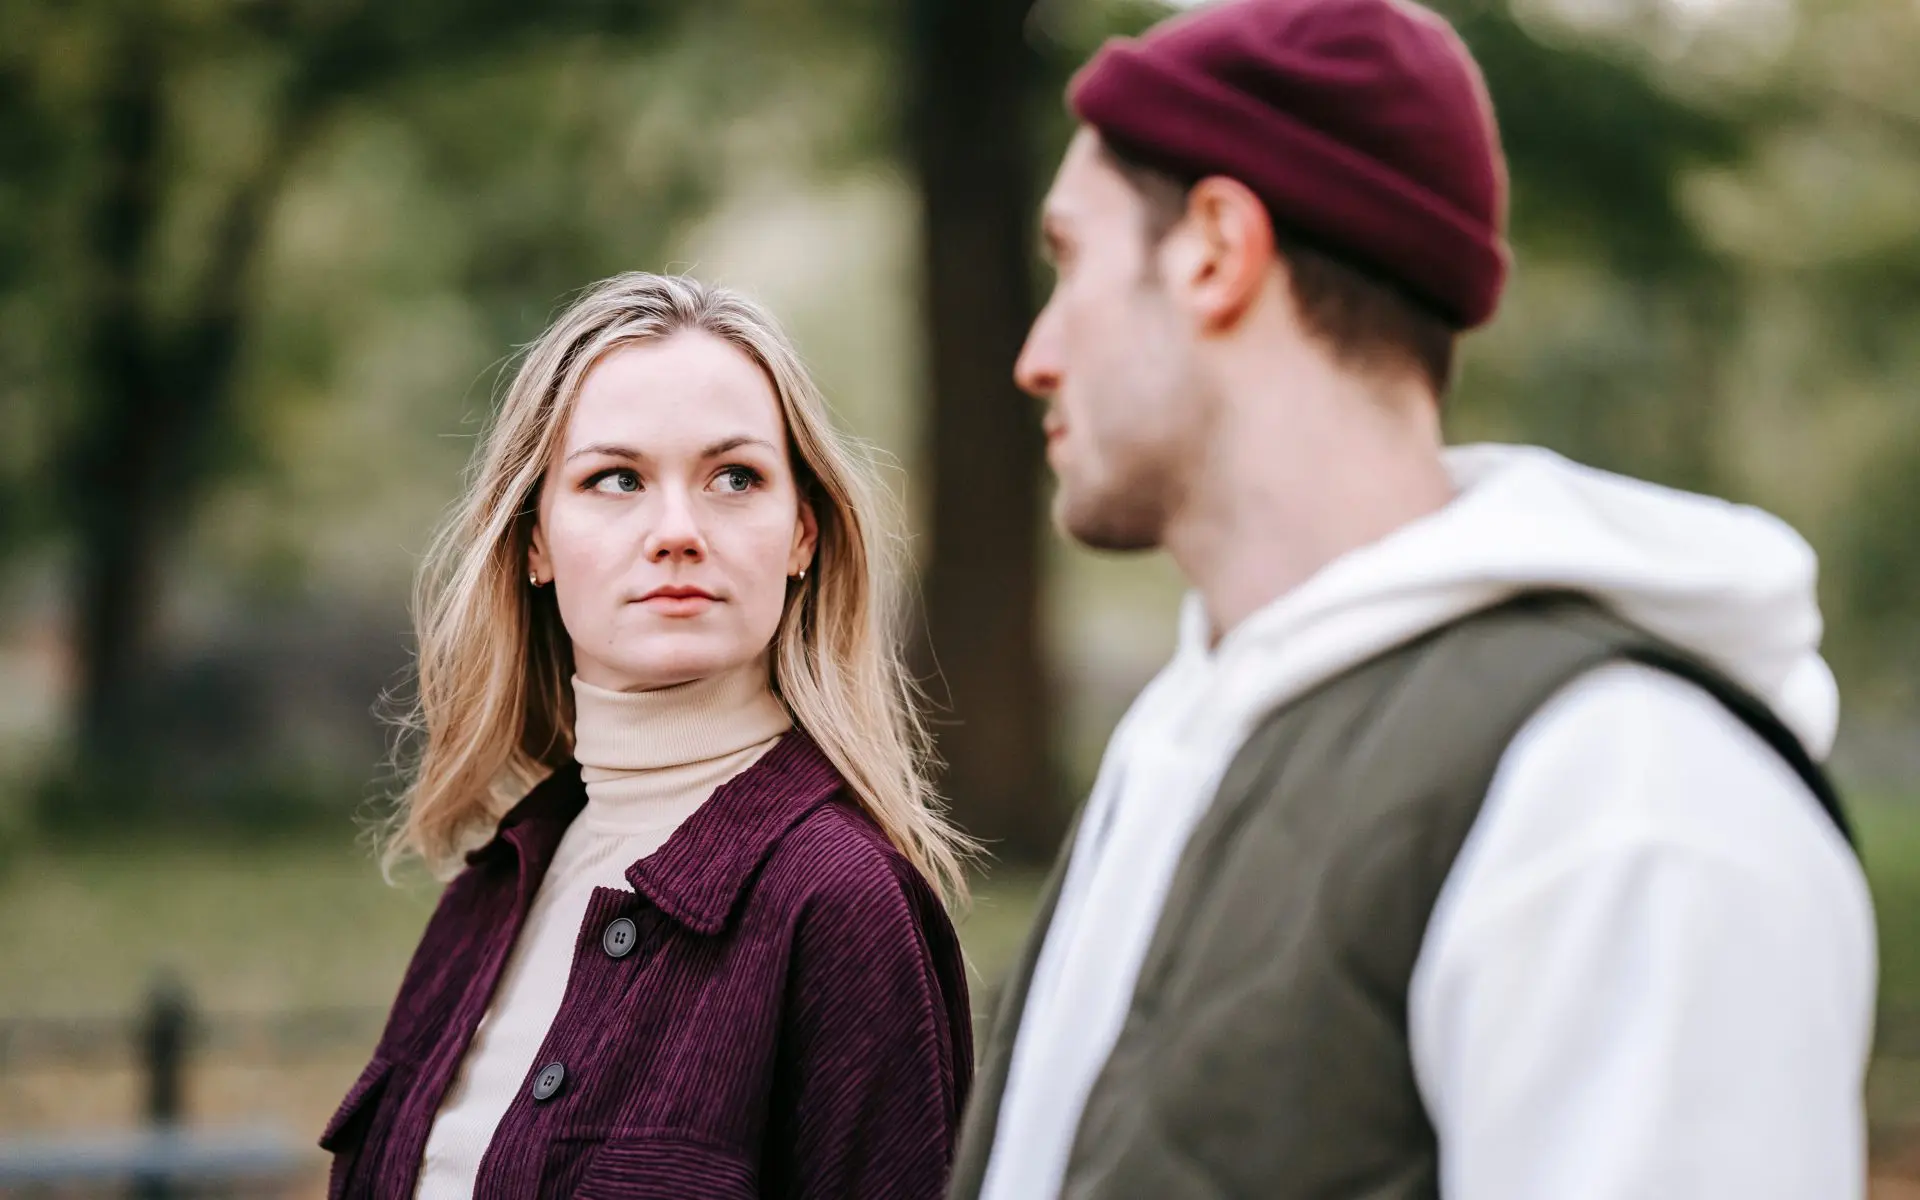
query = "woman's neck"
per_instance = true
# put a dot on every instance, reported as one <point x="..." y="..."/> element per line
<point x="670" y="727"/>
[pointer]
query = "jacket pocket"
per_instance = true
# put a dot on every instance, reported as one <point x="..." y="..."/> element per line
<point x="347" y="1130"/>
<point x="662" y="1167"/>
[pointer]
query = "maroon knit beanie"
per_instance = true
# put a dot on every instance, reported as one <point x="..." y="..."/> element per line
<point x="1364" y="125"/>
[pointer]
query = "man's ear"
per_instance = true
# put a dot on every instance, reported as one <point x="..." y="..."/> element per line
<point x="1217" y="258"/>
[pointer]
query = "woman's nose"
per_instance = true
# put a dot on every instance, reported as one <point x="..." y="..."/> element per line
<point x="676" y="533"/>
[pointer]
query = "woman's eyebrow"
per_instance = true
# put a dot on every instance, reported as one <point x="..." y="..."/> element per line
<point x="714" y="450"/>
<point x="608" y="449"/>
<point x="727" y="445"/>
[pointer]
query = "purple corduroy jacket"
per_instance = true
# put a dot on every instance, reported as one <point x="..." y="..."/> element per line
<point x="786" y="1015"/>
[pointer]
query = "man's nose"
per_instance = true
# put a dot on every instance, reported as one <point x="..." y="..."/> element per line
<point x="1037" y="370"/>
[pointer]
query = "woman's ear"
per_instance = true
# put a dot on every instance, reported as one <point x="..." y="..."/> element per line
<point x="539" y="564"/>
<point x="806" y="538"/>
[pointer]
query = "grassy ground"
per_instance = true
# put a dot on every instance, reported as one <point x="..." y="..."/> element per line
<point x="250" y="931"/>
<point x="259" y="929"/>
<point x="256" y="930"/>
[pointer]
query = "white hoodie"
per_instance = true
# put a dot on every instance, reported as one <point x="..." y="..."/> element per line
<point x="1651" y="971"/>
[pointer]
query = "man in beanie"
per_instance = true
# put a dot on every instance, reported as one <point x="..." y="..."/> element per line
<point x="1474" y="843"/>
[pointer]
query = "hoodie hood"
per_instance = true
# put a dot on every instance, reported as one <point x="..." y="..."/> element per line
<point x="1732" y="584"/>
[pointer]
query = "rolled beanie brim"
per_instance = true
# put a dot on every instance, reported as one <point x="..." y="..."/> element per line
<point x="1314" y="185"/>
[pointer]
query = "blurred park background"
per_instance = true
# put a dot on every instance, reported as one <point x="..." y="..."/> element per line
<point x="262" y="262"/>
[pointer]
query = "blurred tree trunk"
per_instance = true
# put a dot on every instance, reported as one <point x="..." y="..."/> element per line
<point x="156" y="390"/>
<point x="971" y="75"/>
<point x="157" y="383"/>
<point x="110" y="476"/>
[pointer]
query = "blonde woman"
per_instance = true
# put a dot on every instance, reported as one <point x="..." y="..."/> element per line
<point x="706" y="953"/>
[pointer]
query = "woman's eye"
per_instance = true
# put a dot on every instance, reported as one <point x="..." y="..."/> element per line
<point x="737" y="479"/>
<point x="620" y="480"/>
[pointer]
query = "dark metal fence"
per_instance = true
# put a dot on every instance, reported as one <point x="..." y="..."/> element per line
<point x="169" y="1030"/>
<point x="167" y="1160"/>
<point x="164" y="1161"/>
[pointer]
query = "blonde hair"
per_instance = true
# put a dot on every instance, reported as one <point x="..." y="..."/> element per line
<point x="494" y="709"/>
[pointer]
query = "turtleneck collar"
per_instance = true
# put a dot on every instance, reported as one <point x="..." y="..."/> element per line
<point x="650" y="758"/>
<point x="670" y="727"/>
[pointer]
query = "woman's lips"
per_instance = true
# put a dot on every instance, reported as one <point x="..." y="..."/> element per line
<point x="678" y="606"/>
<point x="678" y="601"/>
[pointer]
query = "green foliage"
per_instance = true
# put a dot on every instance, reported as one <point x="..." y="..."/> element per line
<point x="1883" y="571"/>
<point x="356" y="210"/>
<point x="158" y="149"/>
<point x="1597" y="149"/>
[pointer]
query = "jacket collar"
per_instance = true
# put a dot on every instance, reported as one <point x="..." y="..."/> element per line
<point x="535" y="825"/>
<point x="700" y="874"/>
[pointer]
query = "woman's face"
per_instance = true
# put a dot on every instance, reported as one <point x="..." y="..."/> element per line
<point x="670" y="518"/>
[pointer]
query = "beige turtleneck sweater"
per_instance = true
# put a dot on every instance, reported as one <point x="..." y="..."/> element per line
<point x="649" y="760"/>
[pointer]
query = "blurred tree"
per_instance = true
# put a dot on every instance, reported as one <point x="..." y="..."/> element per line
<point x="156" y="338"/>
<point x="29" y="154"/>
<point x="146" y="149"/>
<point x="972" y="79"/>
<point x="1599" y="149"/>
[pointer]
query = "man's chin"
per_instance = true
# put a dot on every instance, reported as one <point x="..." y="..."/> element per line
<point x="1105" y="523"/>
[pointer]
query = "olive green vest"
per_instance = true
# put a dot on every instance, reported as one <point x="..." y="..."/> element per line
<point x="1265" y="1054"/>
